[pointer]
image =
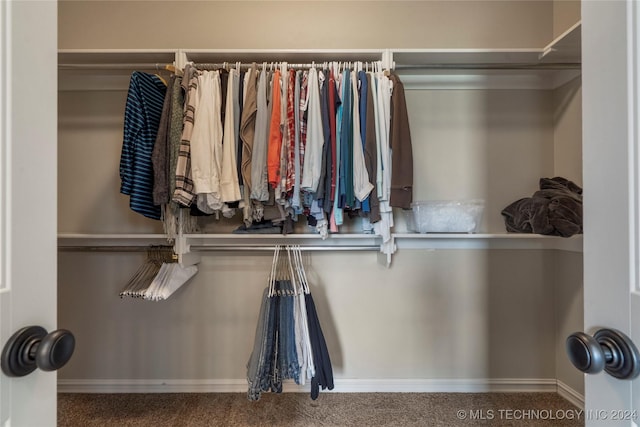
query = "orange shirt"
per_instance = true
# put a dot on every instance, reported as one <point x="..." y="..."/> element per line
<point x="275" y="133"/>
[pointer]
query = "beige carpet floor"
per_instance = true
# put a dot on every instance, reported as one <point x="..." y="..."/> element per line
<point x="330" y="409"/>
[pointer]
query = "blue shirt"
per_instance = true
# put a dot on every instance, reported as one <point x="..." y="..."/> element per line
<point x="145" y="100"/>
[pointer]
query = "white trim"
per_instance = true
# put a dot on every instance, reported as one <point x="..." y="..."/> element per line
<point x="6" y="136"/>
<point x="570" y="394"/>
<point x="5" y="193"/>
<point x="513" y="385"/>
<point x="486" y="79"/>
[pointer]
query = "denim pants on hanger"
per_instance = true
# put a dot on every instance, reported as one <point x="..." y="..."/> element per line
<point x="259" y="365"/>
<point x="288" y="365"/>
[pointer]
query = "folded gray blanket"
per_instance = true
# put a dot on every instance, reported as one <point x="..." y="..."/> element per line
<point x="556" y="209"/>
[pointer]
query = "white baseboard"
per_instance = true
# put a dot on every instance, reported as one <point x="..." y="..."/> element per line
<point x="570" y="394"/>
<point x="514" y="385"/>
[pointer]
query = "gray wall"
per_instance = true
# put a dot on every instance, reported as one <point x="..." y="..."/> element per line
<point x="254" y="24"/>
<point x="446" y="314"/>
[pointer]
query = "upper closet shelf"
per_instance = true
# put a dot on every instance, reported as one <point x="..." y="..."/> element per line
<point x="293" y="56"/>
<point x="107" y="69"/>
<point x="536" y="68"/>
<point x="539" y="68"/>
<point x="566" y="48"/>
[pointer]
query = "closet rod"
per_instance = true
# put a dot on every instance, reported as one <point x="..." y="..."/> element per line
<point x="469" y="66"/>
<point x="206" y="248"/>
<point x="219" y="248"/>
<point x="247" y="65"/>
<point x="111" y="248"/>
<point x="115" y="66"/>
<point x="206" y="66"/>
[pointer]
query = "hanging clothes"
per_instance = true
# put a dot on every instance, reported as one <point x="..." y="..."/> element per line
<point x="229" y="186"/>
<point x="247" y="135"/>
<point x="315" y="138"/>
<point x="334" y="101"/>
<point x="401" y="194"/>
<point x="259" y="170"/>
<point x="206" y="142"/>
<point x="370" y="152"/>
<point x="143" y="110"/>
<point x="361" y="185"/>
<point x="184" y="193"/>
<point x="382" y="103"/>
<point x="288" y="343"/>
<point x="175" y="131"/>
<point x="331" y="144"/>
<point x="290" y="156"/>
<point x="325" y="167"/>
<point x="297" y="170"/>
<point x="164" y="194"/>
<point x="259" y="365"/>
<point x="323" y="378"/>
<point x="275" y="132"/>
<point x="346" y="198"/>
<point x="160" y="152"/>
<point x="301" y="135"/>
<point x="336" y="214"/>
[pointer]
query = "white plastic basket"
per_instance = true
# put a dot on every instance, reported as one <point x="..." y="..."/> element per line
<point x="446" y="216"/>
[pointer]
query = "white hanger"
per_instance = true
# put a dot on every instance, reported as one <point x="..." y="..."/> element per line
<point x="272" y="276"/>
<point x="143" y="277"/>
<point x="168" y="280"/>
<point x="294" y="281"/>
<point x="159" y="277"/>
<point x="300" y="269"/>
<point x="296" y="251"/>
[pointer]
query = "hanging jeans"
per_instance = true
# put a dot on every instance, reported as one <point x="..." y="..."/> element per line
<point x="259" y="365"/>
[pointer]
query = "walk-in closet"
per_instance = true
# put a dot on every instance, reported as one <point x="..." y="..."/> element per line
<point x="493" y="95"/>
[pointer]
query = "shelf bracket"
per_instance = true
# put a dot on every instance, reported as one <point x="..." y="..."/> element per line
<point x="387" y="60"/>
<point x="387" y="249"/>
<point x="546" y="52"/>
<point x="181" y="59"/>
<point x="183" y="250"/>
<point x="181" y="247"/>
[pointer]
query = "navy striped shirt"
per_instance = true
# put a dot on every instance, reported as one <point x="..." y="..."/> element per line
<point x="141" y="121"/>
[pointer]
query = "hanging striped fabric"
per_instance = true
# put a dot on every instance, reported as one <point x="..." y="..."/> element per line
<point x="141" y="121"/>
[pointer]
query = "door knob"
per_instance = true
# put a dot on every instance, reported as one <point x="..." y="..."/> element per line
<point x="608" y="349"/>
<point x="32" y="347"/>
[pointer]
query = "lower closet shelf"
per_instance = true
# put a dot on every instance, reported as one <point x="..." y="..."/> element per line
<point x="85" y="242"/>
<point x="486" y="241"/>
<point x="200" y="242"/>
